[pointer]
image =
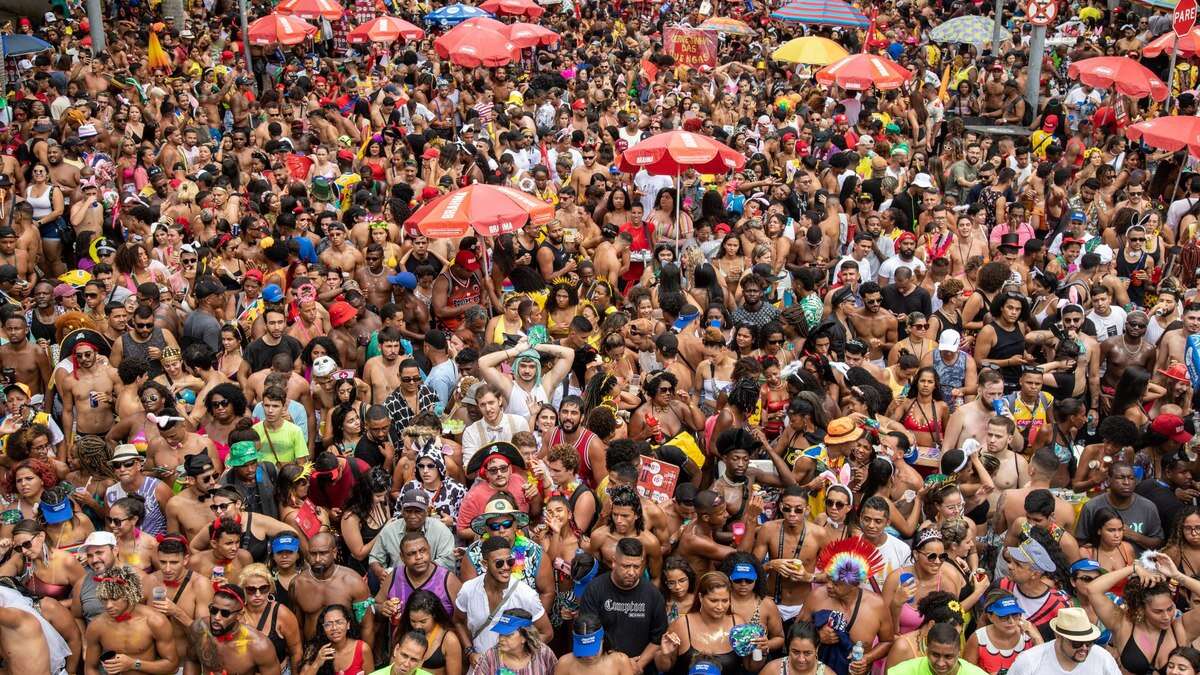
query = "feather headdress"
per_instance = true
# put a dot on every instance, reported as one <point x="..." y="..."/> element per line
<point x="850" y="561"/>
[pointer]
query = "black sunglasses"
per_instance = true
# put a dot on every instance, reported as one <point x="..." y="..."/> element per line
<point x="224" y="613"/>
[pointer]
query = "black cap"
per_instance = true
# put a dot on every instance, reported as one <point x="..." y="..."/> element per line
<point x="436" y="339"/>
<point x="8" y="273"/>
<point x="206" y="287"/>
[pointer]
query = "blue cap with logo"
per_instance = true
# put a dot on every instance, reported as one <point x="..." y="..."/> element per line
<point x="587" y="646"/>
<point x="1085" y="565"/>
<point x="743" y="572"/>
<point x="704" y="668"/>
<point x="1004" y="606"/>
<point x="285" y="542"/>
<point x="507" y="624"/>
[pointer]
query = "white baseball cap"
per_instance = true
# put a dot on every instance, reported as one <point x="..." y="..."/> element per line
<point x="1105" y="252"/>
<point x="100" y="538"/>
<point x="949" y="340"/>
<point x="923" y="181"/>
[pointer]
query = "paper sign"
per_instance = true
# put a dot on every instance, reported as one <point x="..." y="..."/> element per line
<point x="691" y="47"/>
<point x="657" y="480"/>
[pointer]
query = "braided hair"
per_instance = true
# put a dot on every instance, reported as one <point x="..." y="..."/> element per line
<point x="1061" y="574"/>
<point x="93" y="456"/>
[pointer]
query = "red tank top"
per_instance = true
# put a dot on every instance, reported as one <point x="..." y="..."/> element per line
<point x="581" y="444"/>
<point x="460" y="294"/>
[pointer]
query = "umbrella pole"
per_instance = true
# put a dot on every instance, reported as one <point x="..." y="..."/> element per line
<point x="1171" y="77"/>
<point x="1179" y="173"/>
<point x="678" y="202"/>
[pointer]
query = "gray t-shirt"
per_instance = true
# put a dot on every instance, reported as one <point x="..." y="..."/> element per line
<point x="1141" y="516"/>
<point x="203" y="327"/>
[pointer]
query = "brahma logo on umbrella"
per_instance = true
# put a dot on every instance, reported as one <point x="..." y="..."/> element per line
<point x="452" y="206"/>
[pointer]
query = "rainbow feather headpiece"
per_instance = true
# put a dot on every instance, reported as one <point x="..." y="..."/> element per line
<point x="850" y="561"/>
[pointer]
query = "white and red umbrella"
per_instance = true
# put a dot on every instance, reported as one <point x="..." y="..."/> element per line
<point x="527" y="8"/>
<point x="472" y="47"/>
<point x="490" y="210"/>
<point x="311" y="9"/>
<point x="385" y="29"/>
<point x="280" y="29"/>
<point x="859" y="72"/>
<point x="1128" y="76"/>
<point x="526" y="35"/>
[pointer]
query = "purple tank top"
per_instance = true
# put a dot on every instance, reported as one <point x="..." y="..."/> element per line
<point x="436" y="584"/>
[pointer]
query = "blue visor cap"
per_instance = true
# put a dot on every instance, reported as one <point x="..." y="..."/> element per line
<point x="508" y="624"/>
<point x="1005" y="606"/>
<point x="587" y="646"/>
<point x="743" y="572"/>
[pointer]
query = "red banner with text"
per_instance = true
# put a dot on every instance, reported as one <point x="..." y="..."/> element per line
<point x="691" y="47"/>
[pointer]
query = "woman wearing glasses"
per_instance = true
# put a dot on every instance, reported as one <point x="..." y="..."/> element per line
<point x="269" y="616"/>
<point x="337" y="644"/>
<point x="135" y="548"/>
<point x="1183" y="545"/>
<point x="907" y="586"/>
<point x="53" y="570"/>
<point x="918" y="341"/>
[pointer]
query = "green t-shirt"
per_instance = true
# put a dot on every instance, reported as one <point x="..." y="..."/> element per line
<point x="920" y="666"/>
<point x="287" y="443"/>
<point x="387" y="670"/>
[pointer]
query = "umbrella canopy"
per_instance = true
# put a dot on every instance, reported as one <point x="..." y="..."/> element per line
<point x="1163" y="44"/>
<point x="821" y="12"/>
<point x="16" y="44"/>
<point x="385" y="29"/>
<point x="810" y="50"/>
<point x="526" y="35"/>
<point x="722" y="24"/>
<point x="971" y="30"/>
<point x="527" y="8"/>
<point x="863" y="71"/>
<point x="490" y="209"/>
<point x="1128" y="76"/>
<point x="280" y="29"/>
<point x="670" y="153"/>
<point x="452" y="15"/>
<point x="471" y="47"/>
<point x="311" y="9"/>
<point x="1170" y="133"/>
<point x="486" y="21"/>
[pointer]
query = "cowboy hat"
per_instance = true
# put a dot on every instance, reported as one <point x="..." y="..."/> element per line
<point x="842" y="430"/>
<point x="502" y="448"/>
<point x="498" y="506"/>
<point x="1073" y="624"/>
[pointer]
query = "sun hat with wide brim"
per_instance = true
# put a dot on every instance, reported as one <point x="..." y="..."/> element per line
<point x="842" y="430"/>
<point x="503" y="448"/>
<point x="1073" y="624"/>
<point x="499" y="507"/>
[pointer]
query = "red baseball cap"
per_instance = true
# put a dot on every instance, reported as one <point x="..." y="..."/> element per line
<point x="467" y="260"/>
<point x="1171" y="426"/>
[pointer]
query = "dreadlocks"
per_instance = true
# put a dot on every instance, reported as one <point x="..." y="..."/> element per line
<point x="121" y="581"/>
<point x="93" y="455"/>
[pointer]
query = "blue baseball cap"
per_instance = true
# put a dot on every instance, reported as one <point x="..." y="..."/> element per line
<point x="56" y="513"/>
<point x="272" y="293"/>
<point x="285" y="542"/>
<point x="1085" y="565"/>
<point x="507" y="624"/>
<point x="743" y="572"/>
<point x="405" y="279"/>
<point x="581" y="584"/>
<point x="587" y="646"/>
<point x="704" y="668"/>
<point x="1005" y="606"/>
<point x="1078" y="215"/>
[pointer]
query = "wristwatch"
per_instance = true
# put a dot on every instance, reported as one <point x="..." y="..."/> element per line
<point x="137" y="664"/>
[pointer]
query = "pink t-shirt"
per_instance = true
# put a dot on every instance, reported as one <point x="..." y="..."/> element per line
<point x="479" y="495"/>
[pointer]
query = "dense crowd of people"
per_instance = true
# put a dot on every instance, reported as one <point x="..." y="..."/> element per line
<point x="910" y="391"/>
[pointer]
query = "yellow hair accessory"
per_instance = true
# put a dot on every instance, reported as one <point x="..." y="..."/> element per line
<point x="266" y="243"/>
<point x="305" y="471"/>
<point x="560" y="280"/>
<point x="954" y="606"/>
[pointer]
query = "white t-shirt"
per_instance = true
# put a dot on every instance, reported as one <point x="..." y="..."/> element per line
<point x="472" y="600"/>
<point x="649" y="186"/>
<point x="888" y="269"/>
<point x="1041" y="660"/>
<point x="865" y="271"/>
<point x="1110" y="326"/>
<point x="896" y="554"/>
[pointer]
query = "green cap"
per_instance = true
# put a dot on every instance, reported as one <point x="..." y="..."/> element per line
<point x="241" y="454"/>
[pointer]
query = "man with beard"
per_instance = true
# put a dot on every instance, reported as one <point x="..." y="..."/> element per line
<point x="1181" y="344"/>
<point x="184" y="594"/>
<point x="553" y="259"/>
<point x="258" y="354"/>
<point x="326" y="583"/>
<point x="970" y="420"/>
<point x="410" y="398"/>
<point x="629" y="606"/>
<point x="965" y="173"/>
<point x="906" y="248"/>
<point x="221" y="643"/>
<point x="1128" y="349"/>
<point x="570" y="431"/>
<point x="1073" y="649"/>
<point x="875" y="325"/>
<point x="89" y="394"/>
<point x="127" y="635"/>
<point x="790" y="546"/>
<point x="185" y="511"/>
<point x="527" y="387"/>
<point x="145" y="340"/>
<point x="699" y="540"/>
<point x="415" y="519"/>
<point x="64" y="174"/>
<point x="28" y="361"/>
<point x="382" y="372"/>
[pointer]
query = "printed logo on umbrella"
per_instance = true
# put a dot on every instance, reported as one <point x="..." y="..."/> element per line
<point x="452" y="206"/>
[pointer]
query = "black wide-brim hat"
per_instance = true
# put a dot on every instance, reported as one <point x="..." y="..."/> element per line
<point x="67" y="346"/>
<point x="503" y="448"/>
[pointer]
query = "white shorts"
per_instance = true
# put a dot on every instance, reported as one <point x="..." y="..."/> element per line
<point x="789" y="612"/>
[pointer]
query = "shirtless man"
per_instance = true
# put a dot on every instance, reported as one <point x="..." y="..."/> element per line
<point x="133" y="636"/>
<point x="373" y="277"/>
<point x="993" y="92"/>
<point x="1128" y="349"/>
<point x="1013" y="471"/>
<point x="23" y="643"/>
<point x="382" y="372"/>
<point x="186" y="594"/>
<point x="1010" y="505"/>
<point x="1173" y="344"/>
<point x="967" y="243"/>
<point x="221" y="643"/>
<point x="1039" y="511"/>
<point x="863" y="615"/>
<point x="29" y="362"/>
<point x="790" y="545"/>
<point x="971" y="419"/>
<point x="346" y="334"/>
<point x="625" y="521"/>
<point x="223" y="558"/>
<point x="88" y="394"/>
<point x="65" y="175"/>
<point x="325" y="583"/>
<point x="626" y="474"/>
<point x="282" y="374"/>
<point x="186" y="512"/>
<point x="875" y="325"/>
<point x="612" y="255"/>
<point x="311" y="321"/>
<point x="340" y="255"/>
<point x="698" y="542"/>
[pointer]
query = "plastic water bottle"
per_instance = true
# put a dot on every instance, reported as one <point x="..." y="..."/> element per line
<point x="857" y="652"/>
<point x="1091" y="424"/>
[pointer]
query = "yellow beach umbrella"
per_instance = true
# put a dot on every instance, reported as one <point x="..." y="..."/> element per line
<point x="810" y="50"/>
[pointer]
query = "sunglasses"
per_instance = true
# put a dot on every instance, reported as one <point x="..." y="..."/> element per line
<point x="666" y="390"/>
<point x="918" y="326"/>
<point x="1076" y="644"/>
<point x="496" y="470"/>
<point x="501" y="525"/>
<point x="504" y="563"/>
<point x="835" y="504"/>
<point x="219" y="507"/>
<point x="223" y="613"/>
<point x="91" y="295"/>
<point x="26" y="545"/>
<point x="113" y="522"/>
<point x="795" y="509"/>
<point x="775" y="342"/>
<point x="409" y="379"/>
<point x="127" y="464"/>
<point x="143" y="326"/>
<point x="222" y="403"/>
<point x="257" y="590"/>
<point x="427" y="466"/>
<point x="936" y="557"/>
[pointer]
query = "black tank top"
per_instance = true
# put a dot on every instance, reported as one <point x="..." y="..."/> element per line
<point x="1125" y="269"/>
<point x="560" y="256"/>
<point x="131" y="348"/>
<point x="257" y="548"/>
<point x="1009" y="343"/>
<point x="272" y="633"/>
<point x="41" y="331"/>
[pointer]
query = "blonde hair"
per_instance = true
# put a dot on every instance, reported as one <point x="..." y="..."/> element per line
<point x="255" y="571"/>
